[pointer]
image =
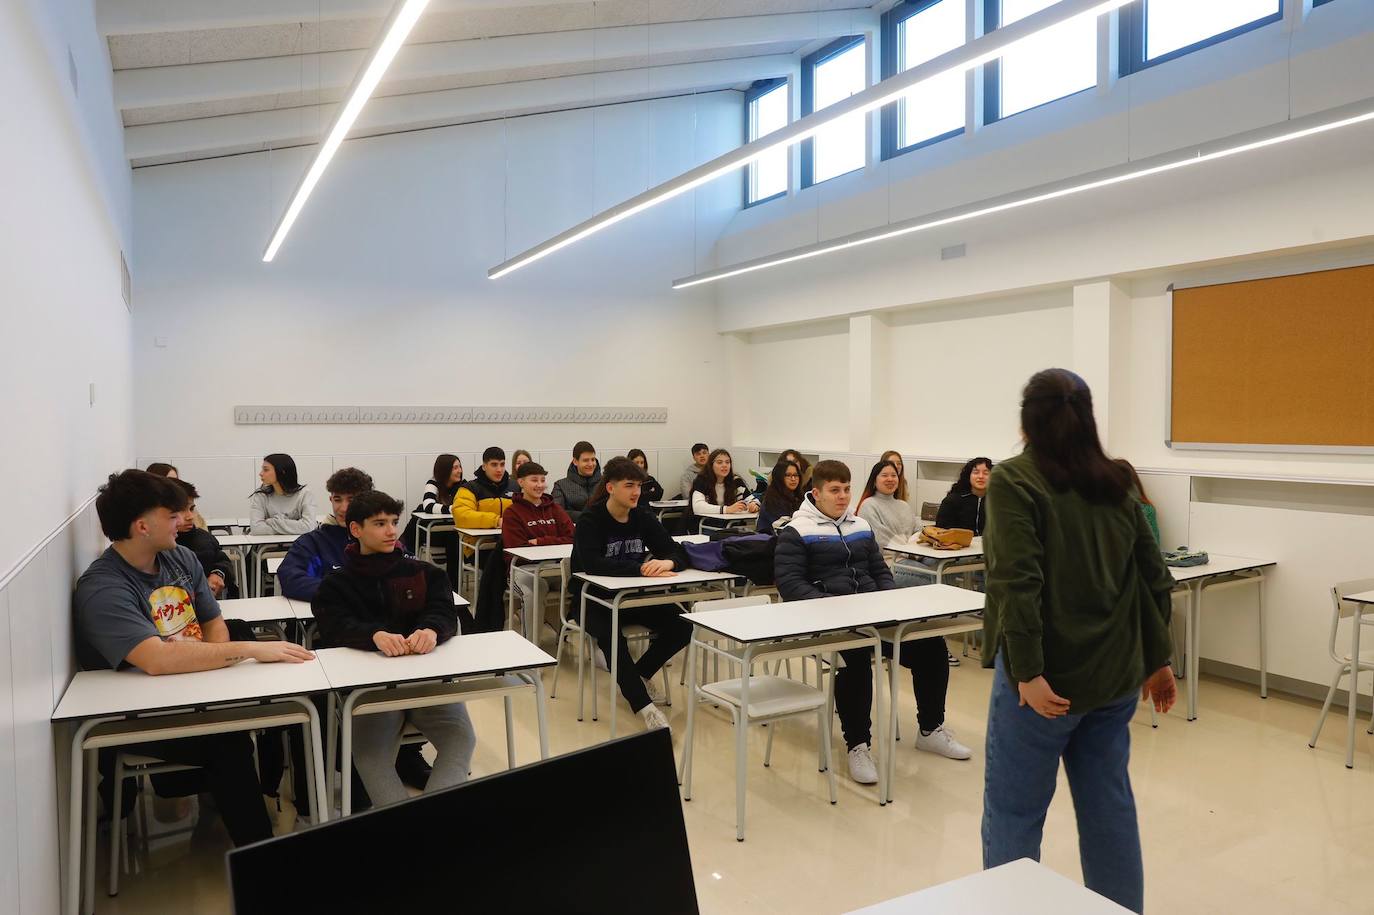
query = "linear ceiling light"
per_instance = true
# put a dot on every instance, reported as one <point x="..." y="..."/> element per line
<point x="1295" y="129"/>
<point x="974" y="54"/>
<point x="394" y="33"/>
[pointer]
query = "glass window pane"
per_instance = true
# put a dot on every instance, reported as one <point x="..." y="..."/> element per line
<point x="768" y="175"/>
<point x="1174" y="24"/>
<point x="936" y="106"/>
<point x="839" y="146"/>
<point x="1053" y="64"/>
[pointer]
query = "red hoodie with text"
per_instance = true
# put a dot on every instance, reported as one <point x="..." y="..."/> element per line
<point x="545" y="524"/>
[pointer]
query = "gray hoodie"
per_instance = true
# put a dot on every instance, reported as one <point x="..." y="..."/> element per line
<point x="890" y="517"/>
<point x="288" y="513"/>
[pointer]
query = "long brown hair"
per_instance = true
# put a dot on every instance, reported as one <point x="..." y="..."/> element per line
<point x="443" y="469"/>
<point x="1057" y="419"/>
<point x="901" y="474"/>
<point x="776" y="498"/>
<point x="705" y="482"/>
<point x="1135" y="479"/>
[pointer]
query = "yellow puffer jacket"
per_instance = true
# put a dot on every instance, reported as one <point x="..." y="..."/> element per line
<point x="480" y="503"/>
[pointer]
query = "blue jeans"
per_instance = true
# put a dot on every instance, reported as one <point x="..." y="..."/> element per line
<point x="1023" y="753"/>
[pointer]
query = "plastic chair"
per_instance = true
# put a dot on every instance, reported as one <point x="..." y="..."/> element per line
<point x="1341" y="608"/>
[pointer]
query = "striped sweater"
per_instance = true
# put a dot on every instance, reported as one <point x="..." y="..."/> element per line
<point x="434" y="504"/>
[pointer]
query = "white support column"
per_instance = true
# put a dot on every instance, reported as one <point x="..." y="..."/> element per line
<point x="868" y="398"/>
<point x="1101" y="347"/>
<point x="736" y="398"/>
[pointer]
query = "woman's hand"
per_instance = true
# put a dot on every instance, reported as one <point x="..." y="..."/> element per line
<point x="1161" y="689"/>
<point x="1045" y="701"/>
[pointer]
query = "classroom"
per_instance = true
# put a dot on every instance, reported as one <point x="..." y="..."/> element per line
<point x="703" y="455"/>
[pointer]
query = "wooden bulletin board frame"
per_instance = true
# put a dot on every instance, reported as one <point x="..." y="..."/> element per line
<point x="1273" y="448"/>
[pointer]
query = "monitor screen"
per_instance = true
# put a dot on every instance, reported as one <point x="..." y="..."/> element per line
<point x="598" y="830"/>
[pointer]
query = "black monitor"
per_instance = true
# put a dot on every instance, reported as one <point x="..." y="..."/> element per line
<point x="598" y="830"/>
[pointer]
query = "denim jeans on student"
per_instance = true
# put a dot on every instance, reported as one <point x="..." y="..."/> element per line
<point x="1023" y="754"/>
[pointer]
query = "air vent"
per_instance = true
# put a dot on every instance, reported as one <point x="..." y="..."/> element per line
<point x="953" y="251"/>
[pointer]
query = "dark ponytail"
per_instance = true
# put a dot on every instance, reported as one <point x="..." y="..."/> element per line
<point x="1057" y="419"/>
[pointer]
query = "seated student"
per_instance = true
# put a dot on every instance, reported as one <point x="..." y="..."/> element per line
<point x="282" y="505"/>
<point x="828" y="550"/>
<point x="170" y="472"/>
<point x="892" y="521"/>
<point x="896" y="458"/>
<point x="480" y="502"/>
<point x="717" y="491"/>
<point x="438" y="500"/>
<point x="617" y="537"/>
<point x="518" y="460"/>
<point x="309" y="559"/>
<point x="584" y="475"/>
<point x="533" y="519"/>
<point x="383" y="600"/>
<point x="219" y="570"/>
<point x="795" y="456"/>
<point x="145" y="603"/>
<point x="782" y="497"/>
<point x="963" y="506"/>
<point x="689" y="476"/>
<point x="652" y="490"/>
<point x="1146" y="506"/>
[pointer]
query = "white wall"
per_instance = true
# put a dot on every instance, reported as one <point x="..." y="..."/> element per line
<point x="380" y="295"/>
<point x="63" y="326"/>
<point x="793" y="379"/>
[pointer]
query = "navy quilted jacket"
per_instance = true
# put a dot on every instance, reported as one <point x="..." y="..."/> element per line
<point x="818" y="556"/>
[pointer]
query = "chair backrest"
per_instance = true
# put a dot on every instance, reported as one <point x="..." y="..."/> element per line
<point x="929" y="511"/>
<point x="725" y="603"/>
<point x="1343" y="608"/>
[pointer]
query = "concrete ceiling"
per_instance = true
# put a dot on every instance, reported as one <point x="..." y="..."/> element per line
<point x="201" y="78"/>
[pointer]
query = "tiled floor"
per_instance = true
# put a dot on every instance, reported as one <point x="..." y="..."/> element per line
<point x="1237" y="814"/>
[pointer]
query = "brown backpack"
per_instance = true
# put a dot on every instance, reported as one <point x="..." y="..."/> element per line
<point x="946" y="538"/>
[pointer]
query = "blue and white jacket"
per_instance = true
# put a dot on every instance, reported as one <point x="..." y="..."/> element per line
<point x="818" y="556"/>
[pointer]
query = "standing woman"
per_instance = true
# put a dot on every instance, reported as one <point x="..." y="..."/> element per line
<point x="652" y="490"/>
<point x="1077" y="626"/>
<point x="964" y="505"/>
<point x="282" y="505"/>
<point x="782" y="497"/>
<point x="896" y="458"/>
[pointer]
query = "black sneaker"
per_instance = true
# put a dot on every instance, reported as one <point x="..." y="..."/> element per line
<point x="953" y="658"/>
<point x="411" y="767"/>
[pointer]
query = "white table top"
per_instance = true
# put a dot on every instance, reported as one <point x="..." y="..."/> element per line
<point x="1364" y="597"/>
<point x="481" y="653"/>
<point x="564" y="550"/>
<point x="766" y="622"/>
<point x="226" y="522"/>
<point x="432" y="516"/>
<point x="303" y="612"/>
<point x="480" y="531"/>
<point x="628" y="583"/>
<point x="1218" y="565"/>
<point x="927" y="552"/>
<point x="258" y="609"/>
<point x="669" y="503"/>
<point x="1023" y="887"/>
<point x="97" y="693"/>
<point x="256" y="539"/>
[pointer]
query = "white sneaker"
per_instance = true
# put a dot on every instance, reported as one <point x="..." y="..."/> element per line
<point x="953" y="658"/>
<point x="861" y="766"/>
<point x="655" y="690"/>
<point x="653" y="717"/>
<point x="600" y="659"/>
<point x="941" y="741"/>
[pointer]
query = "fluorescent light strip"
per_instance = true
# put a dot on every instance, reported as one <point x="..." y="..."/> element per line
<point x="974" y="54"/>
<point x="1164" y="163"/>
<point x="394" y="34"/>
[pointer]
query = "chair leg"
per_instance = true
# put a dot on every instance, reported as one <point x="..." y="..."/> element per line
<point x="510" y="731"/>
<point x="768" y="750"/>
<point x="1326" y="706"/>
<point x="116" y="818"/>
<point x="827" y="759"/>
<point x="558" y="654"/>
<point x="741" y="752"/>
<point x="668" y="687"/>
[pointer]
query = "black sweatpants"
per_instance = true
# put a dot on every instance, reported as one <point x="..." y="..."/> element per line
<point x="929" y="665"/>
<point x="671" y="634"/>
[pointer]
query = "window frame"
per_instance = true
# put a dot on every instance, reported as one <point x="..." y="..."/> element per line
<point x="808" y="92"/>
<point x="760" y="88"/>
<point x="1131" y="36"/>
<point x="889" y="125"/>
<point x="992" y="72"/>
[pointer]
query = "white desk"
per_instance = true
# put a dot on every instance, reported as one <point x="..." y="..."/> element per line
<point x="687" y="586"/>
<point x="478" y="539"/>
<point x="228" y="525"/>
<point x="1361" y="601"/>
<point x="808" y="626"/>
<point x="726" y="522"/>
<point x="258" y="610"/>
<point x="427" y="524"/>
<point x="968" y="559"/>
<point x="1024" y="887"/>
<point x="465" y="667"/>
<point x="245" y="545"/>
<point x="118" y="708"/>
<point x="1219" y="572"/>
<point x="669" y="508"/>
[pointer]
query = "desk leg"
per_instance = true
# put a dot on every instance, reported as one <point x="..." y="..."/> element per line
<point x="510" y="599"/>
<point x="541" y="710"/>
<point x="891" y="746"/>
<point x="1263" y="639"/>
<point x="92" y="778"/>
<point x="346" y="756"/>
<point x="582" y="647"/>
<point x="81" y="801"/>
<point x="1352" y="709"/>
<point x="331" y="747"/>
<point x="742" y="742"/>
<point x="614" y="659"/>
<point x="684" y="772"/>
<point x="878" y="720"/>
<point x="1193" y="639"/>
<point x="320" y="806"/>
<point x="510" y="730"/>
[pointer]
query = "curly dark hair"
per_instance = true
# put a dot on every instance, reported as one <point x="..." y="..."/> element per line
<point x="348" y="481"/>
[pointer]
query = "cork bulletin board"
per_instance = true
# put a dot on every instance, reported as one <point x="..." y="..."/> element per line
<point x="1279" y="364"/>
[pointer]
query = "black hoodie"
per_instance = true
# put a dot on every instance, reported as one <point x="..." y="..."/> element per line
<point x="964" y="510"/>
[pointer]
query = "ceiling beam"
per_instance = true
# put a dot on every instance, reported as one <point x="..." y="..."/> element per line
<point x="182" y="140"/>
<point x="193" y="83"/>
